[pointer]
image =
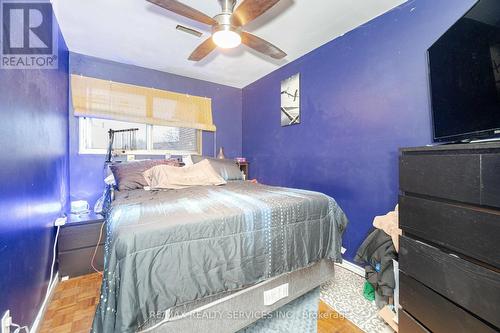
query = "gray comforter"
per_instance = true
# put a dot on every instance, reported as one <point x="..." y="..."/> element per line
<point x="167" y="248"/>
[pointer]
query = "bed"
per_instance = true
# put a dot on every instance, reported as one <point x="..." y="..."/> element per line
<point x="201" y="246"/>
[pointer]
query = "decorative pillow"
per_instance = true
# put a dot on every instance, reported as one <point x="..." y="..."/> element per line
<point x="128" y="175"/>
<point x="168" y="177"/>
<point x="228" y="169"/>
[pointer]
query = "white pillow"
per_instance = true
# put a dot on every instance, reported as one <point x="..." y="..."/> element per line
<point x="169" y="177"/>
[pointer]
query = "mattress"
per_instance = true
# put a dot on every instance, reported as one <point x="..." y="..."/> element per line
<point x="165" y="249"/>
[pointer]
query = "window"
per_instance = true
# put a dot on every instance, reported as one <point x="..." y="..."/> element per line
<point x="149" y="139"/>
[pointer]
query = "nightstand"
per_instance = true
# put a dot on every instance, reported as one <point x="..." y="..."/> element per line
<point x="244" y="168"/>
<point x="77" y="242"/>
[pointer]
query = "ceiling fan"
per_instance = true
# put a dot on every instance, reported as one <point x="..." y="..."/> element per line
<point x="227" y="27"/>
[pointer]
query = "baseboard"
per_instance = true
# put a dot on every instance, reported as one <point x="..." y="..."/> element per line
<point x="41" y="312"/>
<point x="352" y="267"/>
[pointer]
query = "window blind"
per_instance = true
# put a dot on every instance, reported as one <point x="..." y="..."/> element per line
<point x="97" y="98"/>
<point x="175" y="139"/>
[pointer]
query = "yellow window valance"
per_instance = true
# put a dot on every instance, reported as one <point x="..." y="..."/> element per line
<point x="118" y="101"/>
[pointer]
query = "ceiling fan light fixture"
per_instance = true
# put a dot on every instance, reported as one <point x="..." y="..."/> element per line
<point x="227" y="26"/>
<point x="226" y="38"/>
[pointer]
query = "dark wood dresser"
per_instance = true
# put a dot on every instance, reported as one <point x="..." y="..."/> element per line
<point x="77" y="242"/>
<point x="449" y="255"/>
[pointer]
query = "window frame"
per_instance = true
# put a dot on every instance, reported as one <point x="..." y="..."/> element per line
<point x="84" y="138"/>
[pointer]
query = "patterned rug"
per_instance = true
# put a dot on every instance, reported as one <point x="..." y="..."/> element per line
<point x="345" y="295"/>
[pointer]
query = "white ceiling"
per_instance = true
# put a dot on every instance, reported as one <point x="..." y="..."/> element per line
<point x="139" y="33"/>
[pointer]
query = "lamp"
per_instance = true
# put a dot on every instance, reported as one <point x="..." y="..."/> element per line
<point x="221" y="153"/>
<point x="226" y="37"/>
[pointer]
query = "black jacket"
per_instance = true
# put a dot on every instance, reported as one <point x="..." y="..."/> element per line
<point x="377" y="253"/>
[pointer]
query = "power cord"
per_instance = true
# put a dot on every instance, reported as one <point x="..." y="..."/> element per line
<point x="59" y="222"/>
<point x="19" y="328"/>
<point x="95" y="251"/>
<point x="9" y="323"/>
<point x="53" y="260"/>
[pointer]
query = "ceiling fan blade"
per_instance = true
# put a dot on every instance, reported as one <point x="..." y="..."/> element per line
<point x="262" y="45"/>
<point x="184" y="10"/>
<point x="203" y="50"/>
<point x="249" y="10"/>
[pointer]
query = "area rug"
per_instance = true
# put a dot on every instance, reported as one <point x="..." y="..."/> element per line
<point x="344" y="294"/>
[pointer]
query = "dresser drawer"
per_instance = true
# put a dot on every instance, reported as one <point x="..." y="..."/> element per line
<point x="79" y="236"/>
<point x="490" y="176"/>
<point x="436" y="312"/>
<point x="471" y="286"/>
<point x="407" y="324"/>
<point x="469" y="230"/>
<point x="454" y="177"/>
<point x="77" y="262"/>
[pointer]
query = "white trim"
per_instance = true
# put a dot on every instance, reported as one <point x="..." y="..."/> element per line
<point x="41" y="312"/>
<point x="149" y="137"/>
<point x="352" y="267"/>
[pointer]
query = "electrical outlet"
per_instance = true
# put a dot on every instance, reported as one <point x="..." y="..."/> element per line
<point x="6" y="322"/>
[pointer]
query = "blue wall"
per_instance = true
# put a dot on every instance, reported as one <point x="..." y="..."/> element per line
<point x="364" y="95"/>
<point x="33" y="178"/>
<point x="86" y="178"/>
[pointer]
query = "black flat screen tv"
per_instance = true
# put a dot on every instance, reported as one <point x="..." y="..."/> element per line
<point x="464" y="67"/>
